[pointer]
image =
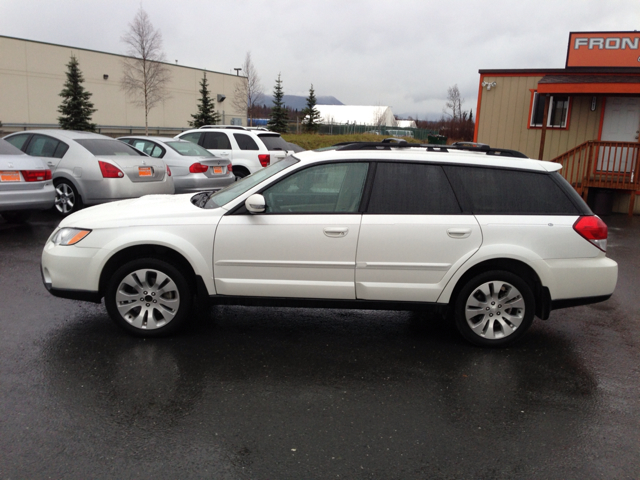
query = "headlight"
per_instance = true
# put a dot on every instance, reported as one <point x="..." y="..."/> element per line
<point x="69" y="236"/>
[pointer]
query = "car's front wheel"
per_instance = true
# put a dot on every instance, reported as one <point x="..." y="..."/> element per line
<point x="149" y="297"/>
<point x="494" y="308"/>
<point x="67" y="198"/>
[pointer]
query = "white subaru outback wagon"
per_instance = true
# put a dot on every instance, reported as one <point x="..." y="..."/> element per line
<point x="482" y="234"/>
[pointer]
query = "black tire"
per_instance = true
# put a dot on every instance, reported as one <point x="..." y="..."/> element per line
<point x="240" y="172"/>
<point x="67" y="199"/>
<point x="20" y="216"/>
<point x="483" y="318"/>
<point x="149" y="297"/>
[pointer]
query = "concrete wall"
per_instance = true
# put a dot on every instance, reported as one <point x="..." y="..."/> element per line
<point x="504" y="118"/>
<point x="32" y="75"/>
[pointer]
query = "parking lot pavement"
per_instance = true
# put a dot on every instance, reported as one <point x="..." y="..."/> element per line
<point x="295" y="393"/>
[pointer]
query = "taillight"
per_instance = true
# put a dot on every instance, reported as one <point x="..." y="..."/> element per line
<point x="230" y="168"/>
<point x="110" y="171"/>
<point x="594" y="230"/>
<point x="198" y="168"/>
<point x="168" y="170"/>
<point x="36" y="175"/>
<point x="264" y="159"/>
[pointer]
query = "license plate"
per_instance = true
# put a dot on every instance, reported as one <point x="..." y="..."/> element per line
<point x="9" y="176"/>
<point x="217" y="170"/>
<point x="145" y="171"/>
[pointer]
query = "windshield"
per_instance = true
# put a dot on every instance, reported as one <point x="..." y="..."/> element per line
<point x="99" y="146"/>
<point x="233" y="191"/>
<point x="188" y="149"/>
<point x="273" y="142"/>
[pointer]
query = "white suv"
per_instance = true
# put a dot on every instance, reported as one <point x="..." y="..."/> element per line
<point x="248" y="150"/>
<point x="488" y="237"/>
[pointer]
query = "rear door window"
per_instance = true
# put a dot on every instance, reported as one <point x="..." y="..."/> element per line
<point x="245" y="142"/>
<point x="412" y="189"/>
<point x="42" y="146"/>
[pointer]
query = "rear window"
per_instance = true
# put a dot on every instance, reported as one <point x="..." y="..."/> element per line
<point x="107" y="147"/>
<point x="189" y="149"/>
<point x="7" y="149"/>
<point x="273" y="142"/>
<point x="490" y="191"/>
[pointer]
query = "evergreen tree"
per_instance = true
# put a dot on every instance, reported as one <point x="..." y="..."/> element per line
<point x="279" y="118"/>
<point x="312" y="117"/>
<point x="206" y="114"/>
<point x="76" y="109"/>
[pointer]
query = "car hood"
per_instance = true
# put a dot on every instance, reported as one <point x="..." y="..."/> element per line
<point x="147" y="210"/>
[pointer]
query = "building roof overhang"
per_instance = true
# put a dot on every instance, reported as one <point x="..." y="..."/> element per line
<point x="586" y="84"/>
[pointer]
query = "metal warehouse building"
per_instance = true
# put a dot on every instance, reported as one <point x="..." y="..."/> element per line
<point x="32" y="75"/>
<point x="585" y="116"/>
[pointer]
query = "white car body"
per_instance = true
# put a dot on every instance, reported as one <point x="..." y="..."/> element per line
<point x="339" y="259"/>
<point x="245" y="148"/>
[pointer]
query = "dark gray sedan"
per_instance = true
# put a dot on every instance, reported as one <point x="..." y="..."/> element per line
<point x="194" y="168"/>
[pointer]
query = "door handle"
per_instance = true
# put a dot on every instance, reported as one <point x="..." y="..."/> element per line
<point x="50" y="164"/>
<point x="336" y="232"/>
<point x="459" y="232"/>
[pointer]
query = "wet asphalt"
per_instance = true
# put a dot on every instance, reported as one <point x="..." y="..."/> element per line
<point x="274" y="393"/>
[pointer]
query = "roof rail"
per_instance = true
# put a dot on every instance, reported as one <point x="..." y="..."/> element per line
<point x="394" y="143"/>
<point x="231" y="127"/>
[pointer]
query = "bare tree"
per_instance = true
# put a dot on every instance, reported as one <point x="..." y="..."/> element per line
<point x="248" y="95"/>
<point x="453" y="107"/>
<point x="145" y="77"/>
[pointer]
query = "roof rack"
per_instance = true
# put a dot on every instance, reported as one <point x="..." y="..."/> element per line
<point x="231" y="127"/>
<point x="394" y="143"/>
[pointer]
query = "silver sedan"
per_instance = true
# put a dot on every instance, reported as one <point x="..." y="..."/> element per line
<point x="25" y="184"/>
<point x="194" y="168"/>
<point x="89" y="168"/>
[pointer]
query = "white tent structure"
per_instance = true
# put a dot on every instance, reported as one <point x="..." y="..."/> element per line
<point x="376" y="116"/>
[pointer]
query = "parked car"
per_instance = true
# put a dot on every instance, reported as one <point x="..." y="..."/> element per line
<point x="89" y="168"/>
<point x="193" y="168"/>
<point x="492" y="239"/>
<point x="25" y="184"/>
<point x="248" y="151"/>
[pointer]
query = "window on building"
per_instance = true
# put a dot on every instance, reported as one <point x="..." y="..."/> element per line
<point x="558" y="111"/>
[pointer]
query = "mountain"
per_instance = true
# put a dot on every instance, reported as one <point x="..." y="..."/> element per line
<point x="297" y="102"/>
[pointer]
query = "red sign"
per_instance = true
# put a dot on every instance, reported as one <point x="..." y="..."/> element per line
<point x="604" y="49"/>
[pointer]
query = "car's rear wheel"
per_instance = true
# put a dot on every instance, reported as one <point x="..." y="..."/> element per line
<point x="20" y="216"/>
<point x="494" y="309"/>
<point x="67" y="198"/>
<point x="149" y="297"/>
<point x="240" y="172"/>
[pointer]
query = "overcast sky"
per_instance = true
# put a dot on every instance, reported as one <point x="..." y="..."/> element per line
<point x="398" y="53"/>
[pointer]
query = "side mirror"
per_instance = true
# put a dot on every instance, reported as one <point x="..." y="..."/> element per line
<point x="255" y="203"/>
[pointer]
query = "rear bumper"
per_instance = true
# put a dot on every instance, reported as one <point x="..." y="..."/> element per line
<point x="580" y="279"/>
<point x="27" y="198"/>
<point x="195" y="183"/>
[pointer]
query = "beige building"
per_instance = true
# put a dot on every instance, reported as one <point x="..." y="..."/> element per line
<point x="585" y="116"/>
<point x="32" y="75"/>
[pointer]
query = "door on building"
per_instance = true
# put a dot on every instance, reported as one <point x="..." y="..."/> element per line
<point x="621" y="124"/>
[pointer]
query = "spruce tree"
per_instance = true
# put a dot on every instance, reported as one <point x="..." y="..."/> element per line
<point x="76" y="109"/>
<point x="279" y="118"/>
<point x="312" y="117"/>
<point x="206" y="114"/>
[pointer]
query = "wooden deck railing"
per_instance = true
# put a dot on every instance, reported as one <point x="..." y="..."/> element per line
<point x="611" y="165"/>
